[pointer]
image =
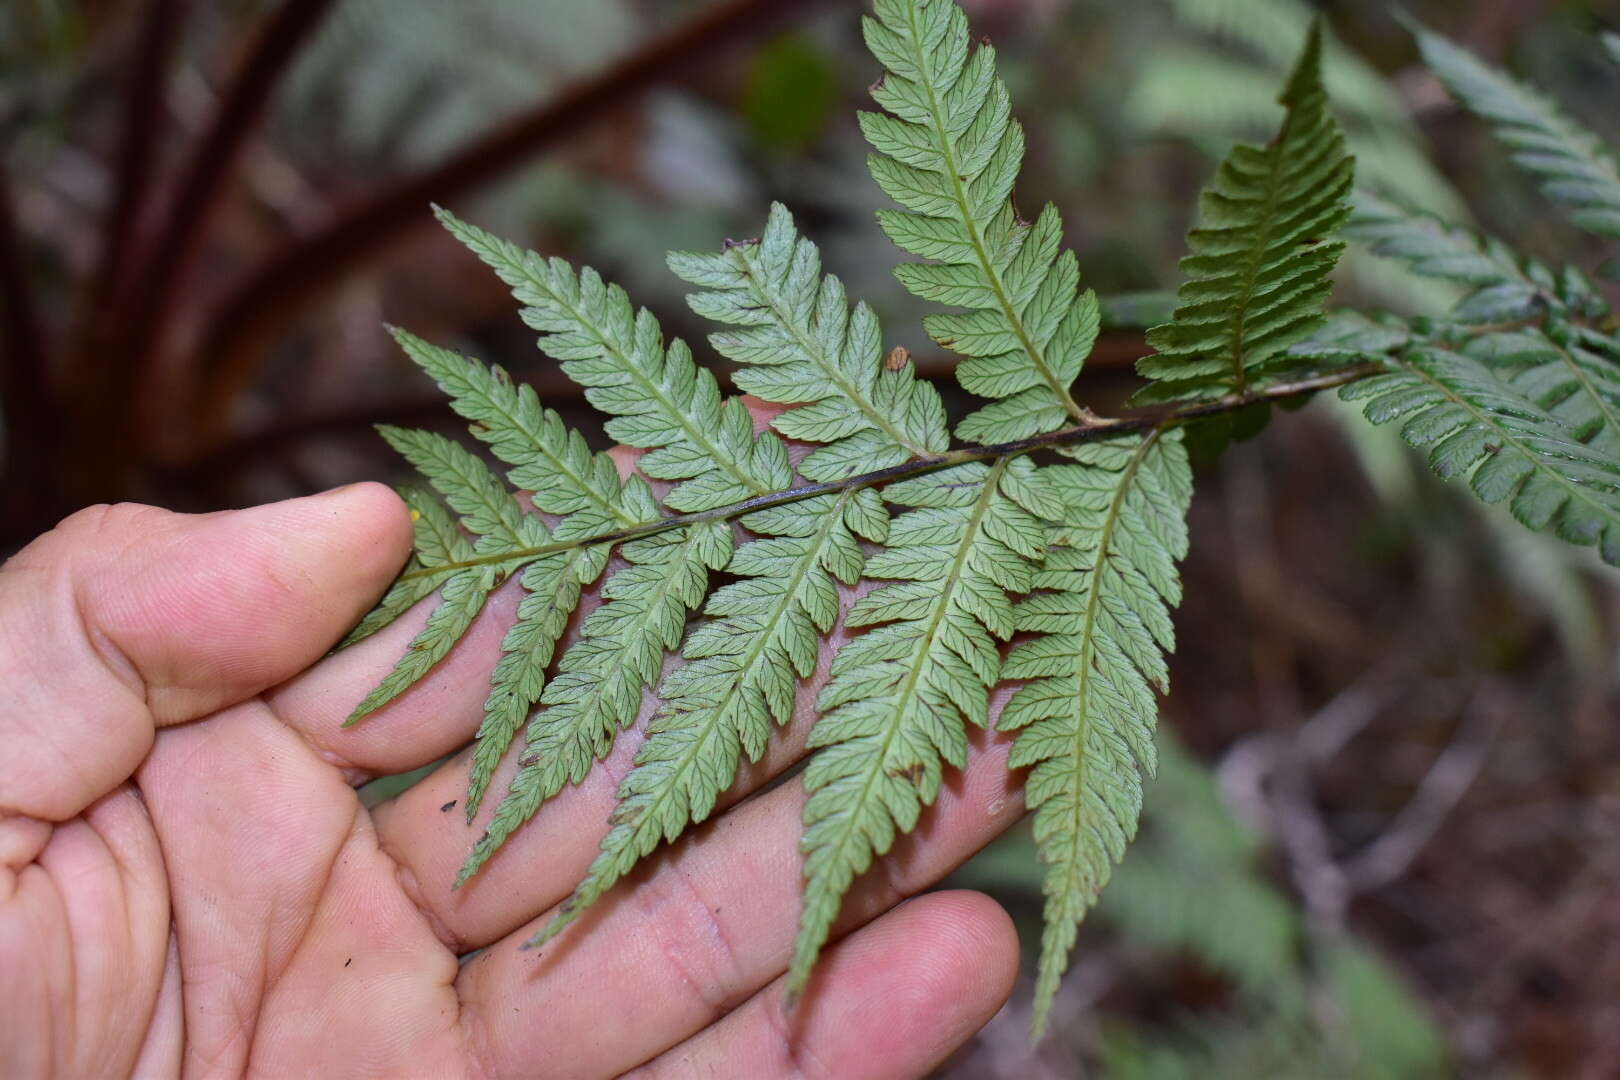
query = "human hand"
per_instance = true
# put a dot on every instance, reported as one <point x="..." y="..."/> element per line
<point x="189" y="883"/>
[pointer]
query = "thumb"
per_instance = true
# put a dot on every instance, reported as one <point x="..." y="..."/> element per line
<point x="126" y="618"/>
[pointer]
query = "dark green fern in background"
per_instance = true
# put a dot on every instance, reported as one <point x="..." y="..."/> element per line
<point x="1039" y="545"/>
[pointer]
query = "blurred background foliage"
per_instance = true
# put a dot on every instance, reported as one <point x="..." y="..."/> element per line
<point x="1385" y="840"/>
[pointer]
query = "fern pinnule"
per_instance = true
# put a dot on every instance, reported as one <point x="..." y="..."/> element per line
<point x="1259" y="263"/>
<point x="799" y="343"/>
<point x="949" y="155"/>
<point x="1573" y="166"/>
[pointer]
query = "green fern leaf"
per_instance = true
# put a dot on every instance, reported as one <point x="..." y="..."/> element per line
<point x="1507" y="286"/>
<point x="1573" y="166"/>
<point x="1080" y="557"/>
<point x="949" y="155"/>
<point x="892" y="712"/>
<point x="800" y="342"/>
<point x="565" y="479"/>
<point x="1479" y="426"/>
<point x="743" y="662"/>
<point x="597" y="689"/>
<point x="1259" y="264"/>
<point x="548" y="460"/>
<point x="1087" y="714"/>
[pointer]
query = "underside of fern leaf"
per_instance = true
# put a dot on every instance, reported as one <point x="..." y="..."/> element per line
<point x="1086" y="714"/>
<point x="948" y="152"/>
<point x="1041" y="548"/>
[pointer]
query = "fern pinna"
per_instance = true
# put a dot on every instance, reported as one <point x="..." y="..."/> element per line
<point x="1039" y="548"/>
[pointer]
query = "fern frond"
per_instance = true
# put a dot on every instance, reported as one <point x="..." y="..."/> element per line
<point x="949" y="155"/>
<point x="1477" y="425"/>
<point x="892" y="712"/>
<point x="742" y="665"/>
<point x="985" y="544"/>
<point x="799" y="342"/>
<point x="1259" y="264"/>
<point x="1507" y="286"/>
<point x="1571" y="164"/>
<point x="1087" y="713"/>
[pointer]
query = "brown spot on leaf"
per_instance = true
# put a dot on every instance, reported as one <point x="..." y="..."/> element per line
<point x="912" y="774"/>
<point x="898" y="358"/>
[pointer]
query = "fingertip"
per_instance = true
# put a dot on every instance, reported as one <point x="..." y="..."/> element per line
<point x="988" y="940"/>
<point x="375" y="520"/>
<point x="895" y="998"/>
<point x="949" y="960"/>
<point x="216" y="607"/>
<point x="971" y="958"/>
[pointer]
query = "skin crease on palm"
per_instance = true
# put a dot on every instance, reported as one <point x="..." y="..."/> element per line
<point x="189" y="884"/>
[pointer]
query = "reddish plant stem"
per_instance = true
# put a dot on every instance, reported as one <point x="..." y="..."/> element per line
<point x="27" y="392"/>
<point x="138" y="143"/>
<point x="159" y="266"/>
<point x="229" y="349"/>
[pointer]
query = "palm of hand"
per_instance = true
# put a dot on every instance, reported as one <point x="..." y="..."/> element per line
<point x="231" y="908"/>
